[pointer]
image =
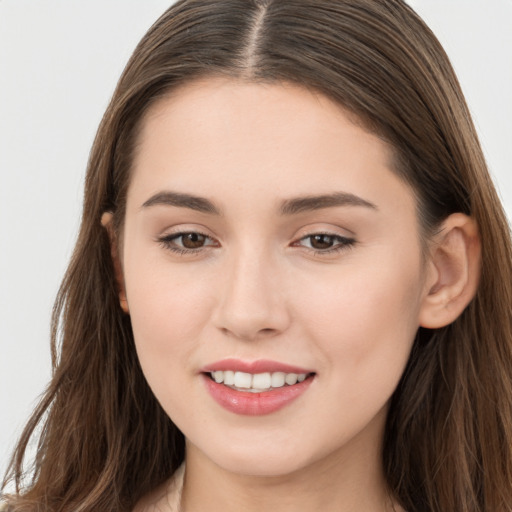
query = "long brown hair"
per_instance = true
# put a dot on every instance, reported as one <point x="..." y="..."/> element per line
<point x="104" y="440"/>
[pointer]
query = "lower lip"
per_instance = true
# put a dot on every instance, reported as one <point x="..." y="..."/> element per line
<point x="255" y="404"/>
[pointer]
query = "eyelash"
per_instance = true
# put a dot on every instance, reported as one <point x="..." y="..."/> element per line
<point x="341" y="243"/>
<point x="168" y="242"/>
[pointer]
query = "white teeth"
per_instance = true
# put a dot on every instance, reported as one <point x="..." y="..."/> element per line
<point x="243" y="380"/>
<point x="229" y="378"/>
<point x="257" y="382"/>
<point x="261" y="381"/>
<point x="278" y="379"/>
<point x="291" y="379"/>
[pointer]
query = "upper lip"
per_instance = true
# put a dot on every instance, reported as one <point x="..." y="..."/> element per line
<point x="254" y="367"/>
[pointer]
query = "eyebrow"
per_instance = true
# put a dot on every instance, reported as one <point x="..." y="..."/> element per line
<point x="181" y="200"/>
<point x="288" y="207"/>
<point x="311" y="203"/>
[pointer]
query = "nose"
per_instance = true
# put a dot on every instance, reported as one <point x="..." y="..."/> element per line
<point x="252" y="303"/>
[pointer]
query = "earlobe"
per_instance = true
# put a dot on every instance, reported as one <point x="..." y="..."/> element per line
<point x="106" y="222"/>
<point x="454" y="271"/>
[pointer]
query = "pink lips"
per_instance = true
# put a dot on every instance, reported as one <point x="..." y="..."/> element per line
<point x="254" y="404"/>
<point x="260" y="366"/>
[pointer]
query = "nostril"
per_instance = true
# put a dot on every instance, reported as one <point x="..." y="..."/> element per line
<point x="267" y="331"/>
<point x="246" y="334"/>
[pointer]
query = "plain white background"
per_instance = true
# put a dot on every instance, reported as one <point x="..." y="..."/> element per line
<point x="59" y="62"/>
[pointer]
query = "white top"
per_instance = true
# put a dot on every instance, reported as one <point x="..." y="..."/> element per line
<point x="174" y="489"/>
<point x="166" y="497"/>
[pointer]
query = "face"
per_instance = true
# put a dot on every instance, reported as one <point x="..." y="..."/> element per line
<point x="273" y="272"/>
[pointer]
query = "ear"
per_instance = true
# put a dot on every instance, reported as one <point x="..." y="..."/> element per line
<point x="453" y="271"/>
<point x="106" y="222"/>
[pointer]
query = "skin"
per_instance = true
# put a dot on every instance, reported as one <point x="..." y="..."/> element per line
<point x="257" y="289"/>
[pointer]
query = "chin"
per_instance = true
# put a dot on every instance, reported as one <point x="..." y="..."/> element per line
<point x="262" y="466"/>
<point x="274" y="457"/>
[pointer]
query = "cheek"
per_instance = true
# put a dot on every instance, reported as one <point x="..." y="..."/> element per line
<point x="168" y="314"/>
<point x="365" y="319"/>
<point x="168" y="309"/>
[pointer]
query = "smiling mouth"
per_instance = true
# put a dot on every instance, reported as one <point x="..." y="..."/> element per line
<point x="258" y="382"/>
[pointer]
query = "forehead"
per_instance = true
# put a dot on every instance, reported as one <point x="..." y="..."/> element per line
<point x="226" y="102"/>
<point x="274" y="139"/>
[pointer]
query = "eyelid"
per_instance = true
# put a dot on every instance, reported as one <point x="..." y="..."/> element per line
<point x="329" y="225"/>
<point x="183" y="229"/>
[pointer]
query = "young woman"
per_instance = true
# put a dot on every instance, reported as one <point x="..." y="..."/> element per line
<point x="292" y="284"/>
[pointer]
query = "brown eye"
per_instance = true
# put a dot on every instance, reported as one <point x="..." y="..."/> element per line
<point x="193" y="240"/>
<point x="320" y="241"/>
<point x="187" y="242"/>
<point x="325" y="243"/>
